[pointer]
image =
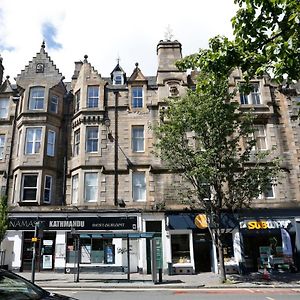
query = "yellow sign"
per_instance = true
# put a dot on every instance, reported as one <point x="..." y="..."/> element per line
<point x="34" y="239"/>
<point x="201" y="221"/>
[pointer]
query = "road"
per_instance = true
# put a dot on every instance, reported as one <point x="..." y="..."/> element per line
<point x="192" y="294"/>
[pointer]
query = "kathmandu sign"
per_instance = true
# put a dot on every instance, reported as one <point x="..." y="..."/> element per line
<point x="87" y="223"/>
<point x="264" y="224"/>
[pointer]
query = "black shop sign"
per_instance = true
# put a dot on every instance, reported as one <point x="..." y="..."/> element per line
<point x="78" y="223"/>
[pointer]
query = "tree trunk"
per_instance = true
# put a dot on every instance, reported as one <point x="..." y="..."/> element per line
<point x="221" y="261"/>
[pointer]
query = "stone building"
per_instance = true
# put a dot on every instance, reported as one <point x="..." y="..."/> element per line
<point x="77" y="166"/>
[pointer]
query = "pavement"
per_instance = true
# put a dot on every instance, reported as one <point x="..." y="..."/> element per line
<point x="96" y="281"/>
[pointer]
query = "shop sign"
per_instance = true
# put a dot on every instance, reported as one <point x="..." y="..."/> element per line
<point x="80" y="223"/>
<point x="201" y="221"/>
<point x="264" y="224"/>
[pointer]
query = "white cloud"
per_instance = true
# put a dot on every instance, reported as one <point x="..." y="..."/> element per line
<point x="107" y="29"/>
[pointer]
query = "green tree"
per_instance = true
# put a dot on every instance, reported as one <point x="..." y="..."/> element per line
<point x="267" y="35"/>
<point x="208" y="141"/>
<point x="3" y="217"/>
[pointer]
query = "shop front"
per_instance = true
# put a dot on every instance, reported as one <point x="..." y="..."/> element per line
<point x="268" y="243"/>
<point x="102" y="241"/>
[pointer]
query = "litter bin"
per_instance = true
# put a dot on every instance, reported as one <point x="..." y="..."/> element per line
<point x="170" y="269"/>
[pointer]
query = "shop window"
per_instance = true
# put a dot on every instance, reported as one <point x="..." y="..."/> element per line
<point x="227" y="247"/>
<point x="180" y="247"/>
<point x="93" y="250"/>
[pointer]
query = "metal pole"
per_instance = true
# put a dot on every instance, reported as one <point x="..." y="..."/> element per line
<point x="34" y="253"/>
<point x="128" y="259"/>
<point x="78" y="258"/>
<point x="116" y="138"/>
<point x="153" y="261"/>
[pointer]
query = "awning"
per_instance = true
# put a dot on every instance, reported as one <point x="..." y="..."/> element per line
<point x="134" y="235"/>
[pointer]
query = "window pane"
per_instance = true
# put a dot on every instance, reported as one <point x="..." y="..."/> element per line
<point x="51" y="143"/>
<point x="137" y="97"/>
<point x="138" y="138"/>
<point x="76" y="142"/>
<point x="2" y="143"/>
<point x="75" y="189"/>
<point x="54" y="104"/>
<point x="36" y="98"/>
<point x="29" y="187"/>
<point x="92" y="139"/>
<point x="139" y="186"/>
<point x="4" y="108"/>
<point x="47" y="191"/>
<point x="91" y="186"/>
<point x="33" y="140"/>
<point x="93" y="96"/>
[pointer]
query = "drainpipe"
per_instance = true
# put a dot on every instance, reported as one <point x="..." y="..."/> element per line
<point x="12" y="145"/>
<point x="116" y="156"/>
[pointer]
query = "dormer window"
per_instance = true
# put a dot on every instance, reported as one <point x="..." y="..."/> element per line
<point x="118" y="78"/>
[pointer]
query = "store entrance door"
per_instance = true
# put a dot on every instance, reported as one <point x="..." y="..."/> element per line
<point x="47" y="251"/>
<point x="202" y="253"/>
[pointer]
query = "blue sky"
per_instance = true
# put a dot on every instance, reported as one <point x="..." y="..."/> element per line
<point x="106" y="30"/>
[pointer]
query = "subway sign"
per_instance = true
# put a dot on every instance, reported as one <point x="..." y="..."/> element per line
<point x="264" y="224"/>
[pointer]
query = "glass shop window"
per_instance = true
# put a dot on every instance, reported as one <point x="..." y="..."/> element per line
<point x="180" y="245"/>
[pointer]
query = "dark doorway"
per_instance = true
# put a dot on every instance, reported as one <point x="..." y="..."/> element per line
<point x="202" y="252"/>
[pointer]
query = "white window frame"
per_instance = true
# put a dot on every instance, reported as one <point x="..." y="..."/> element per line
<point x="77" y="101"/>
<point x="75" y="195"/>
<point x="137" y="101"/>
<point x="254" y="98"/>
<point x="93" y="187"/>
<point x="118" y="75"/>
<point x="2" y="146"/>
<point x="54" y="104"/>
<point x="264" y="195"/>
<point x="76" y="142"/>
<point x="92" y="101"/>
<point x="48" y="189"/>
<point x="4" y="106"/>
<point x="35" y="100"/>
<point x="260" y="134"/>
<point x="93" y="139"/>
<point x="51" y="144"/>
<point x="36" y="140"/>
<point x="29" y="187"/>
<point x="138" y="142"/>
<point x="139" y="187"/>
